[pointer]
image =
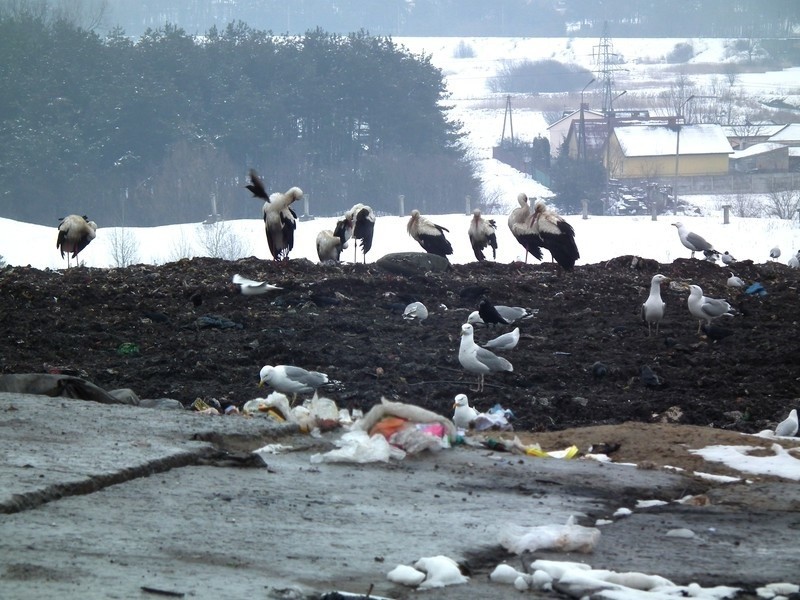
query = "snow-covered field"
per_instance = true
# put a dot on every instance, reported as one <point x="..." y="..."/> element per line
<point x="599" y="238"/>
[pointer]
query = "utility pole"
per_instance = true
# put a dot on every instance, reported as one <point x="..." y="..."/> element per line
<point x="582" y="140"/>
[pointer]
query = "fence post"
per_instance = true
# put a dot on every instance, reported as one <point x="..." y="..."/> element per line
<point x="585" y="209"/>
<point x="402" y="201"/>
<point x="469" y="204"/>
<point x="726" y="214"/>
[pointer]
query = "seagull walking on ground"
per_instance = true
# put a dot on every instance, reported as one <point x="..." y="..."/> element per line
<point x="463" y="414"/>
<point x="477" y="360"/>
<point x="507" y="341"/>
<point x="654" y="307"/>
<point x="788" y="427"/>
<point x="288" y="379"/>
<point x="692" y="241"/>
<point x="706" y="309"/>
<point x="510" y="314"/>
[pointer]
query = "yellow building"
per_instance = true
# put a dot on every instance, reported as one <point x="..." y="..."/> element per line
<point x="665" y="150"/>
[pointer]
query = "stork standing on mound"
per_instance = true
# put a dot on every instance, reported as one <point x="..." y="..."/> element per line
<point x="429" y="235"/>
<point x="519" y="222"/>
<point x="74" y="234"/>
<point x="556" y="234"/>
<point x="358" y="223"/>
<point x="482" y="233"/>
<point x="280" y="220"/>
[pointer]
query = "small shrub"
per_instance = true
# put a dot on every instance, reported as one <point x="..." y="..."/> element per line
<point x="220" y="241"/>
<point x="463" y="50"/>
<point x="124" y="247"/>
<point x="540" y="77"/>
<point x="681" y="53"/>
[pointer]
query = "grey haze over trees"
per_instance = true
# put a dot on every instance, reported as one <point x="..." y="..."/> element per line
<point x="163" y="129"/>
<point x="509" y="18"/>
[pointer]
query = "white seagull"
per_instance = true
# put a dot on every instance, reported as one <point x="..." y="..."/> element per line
<point x="288" y="379"/>
<point x="787" y="427"/>
<point x="507" y="341"/>
<point x="478" y="360"/>
<point x="482" y="232"/>
<point x="727" y="258"/>
<point x="416" y="311"/>
<point x="654" y="307"/>
<point x="794" y="262"/>
<point x="248" y="287"/>
<point x="511" y="314"/>
<point x="463" y="414"/>
<point x="734" y="281"/>
<point x="692" y="241"/>
<point x="775" y="253"/>
<point x="704" y="308"/>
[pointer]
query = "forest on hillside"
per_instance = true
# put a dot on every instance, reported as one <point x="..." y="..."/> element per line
<point x="425" y="18"/>
<point x="164" y="129"/>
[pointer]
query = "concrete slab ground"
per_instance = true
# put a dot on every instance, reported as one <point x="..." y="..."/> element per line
<point x="113" y="501"/>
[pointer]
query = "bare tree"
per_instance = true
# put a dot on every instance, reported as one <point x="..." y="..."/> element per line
<point x="124" y="247"/>
<point x="220" y="241"/>
<point x="743" y="205"/>
<point x="783" y="203"/>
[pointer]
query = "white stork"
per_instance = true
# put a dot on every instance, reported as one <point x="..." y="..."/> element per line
<point x="556" y="234"/>
<point x="280" y="220"/>
<point x="521" y="229"/>
<point x="74" y="234"/>
<point x="482" y="233"/>
<point x="429" y="235"/>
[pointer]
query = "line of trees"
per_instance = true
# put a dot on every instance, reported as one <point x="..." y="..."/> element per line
<point x="164" y="129"/>
<point x="643" y="18"/>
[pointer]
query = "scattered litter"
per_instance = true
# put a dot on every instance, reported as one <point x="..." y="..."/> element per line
<point x="214" y="321"/>
<point x="405" y="575"/>
<point x="680" y="532"/>
<point x="773" y="590"/>
<point x="561" y="538"/>
<point x="516" y="446"/>
<point x="649" y="503"/>
<point x="440" y="571"/>
<point x="756" y="288"/>
<point x="359" y="447"/>
<point x="128" y="349"/>
<point x="622" y="512"/>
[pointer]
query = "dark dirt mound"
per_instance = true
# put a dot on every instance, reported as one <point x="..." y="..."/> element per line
<point x="183" y="331"/>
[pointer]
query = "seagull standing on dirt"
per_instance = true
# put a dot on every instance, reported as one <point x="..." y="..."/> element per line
<point x="704" y="308"/>
<point x="288" y="379"/>
<point x="794" y="262"/>
<point x="507" y="341"/>
<point x="511" y="314"/>
<point x="482" y="232"/>
<point x="429" y="235"/>
<point x="692" y="241"/>
<point x="775" y="253"/>
<point x="477" y="360"/>
<point x="727" y="258"/>
<point x="788" y="427"/>
<point x="463" y="415"/>
<point x="74" y="234"/>
<point x="416" y="311"/>
<point x="734" y="281"/>
<point x="248" y="287"/>
<point x="654" y="307"/>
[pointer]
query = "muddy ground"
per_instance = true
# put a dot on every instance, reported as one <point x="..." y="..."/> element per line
<point x="182" y="330"/>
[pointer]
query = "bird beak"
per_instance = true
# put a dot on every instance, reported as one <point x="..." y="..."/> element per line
<point x="261" y="383"/>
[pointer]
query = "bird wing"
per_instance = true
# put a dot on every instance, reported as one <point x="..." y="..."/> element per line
<point x="698" y="242"/>
<point x="256" y="186"/>
<point x="309" y="378"/>
<point x="563" y="248"/>
<point x="714" y="307"/>
<point x="492" y="361"/>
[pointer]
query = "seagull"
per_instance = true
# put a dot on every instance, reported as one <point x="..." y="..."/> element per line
<point x="692" y="241"/>
<point x="522" y="230"/>
<point x="482" y="233"/>
<point x="507" y="341"/>
<point x="654" y="307"/>
<point x="787" y="427"/>
<point x="363" y="218"/>
<point x="248" y="287"/>
<point x="478" y="360"/>
<point x="416" y="311"/>
<point x="511" y="314"/>
<point x="556" y="234"/>
<point x="280" y="220"/>
<point x="429" y="235"/>
<point x="727" y="258"/>
<point x="734" y="281"/>
<point x="287" y="379"/>
<point x="704" y="308"/>
<point x="74" y="234"/>
<point x="775" y="253"/>
<point x="463" y="415"/>
<point x="329" y="246"/>
<point x="794" y="262"/>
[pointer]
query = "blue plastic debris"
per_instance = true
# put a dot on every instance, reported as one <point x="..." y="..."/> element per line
<point x="756" y="288"/>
